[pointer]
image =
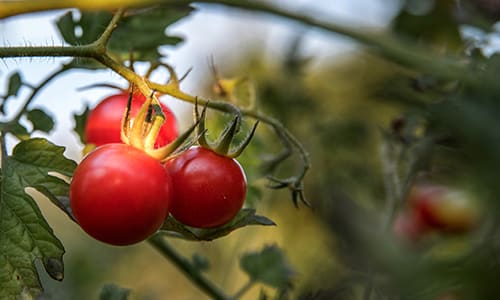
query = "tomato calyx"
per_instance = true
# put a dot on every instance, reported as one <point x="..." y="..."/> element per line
<point x="222" y="145"/>
<point x="142" y="131"/>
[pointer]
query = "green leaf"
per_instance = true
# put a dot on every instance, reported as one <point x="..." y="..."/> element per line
<point x="19" y="131"/>
<point x="15" y="83"/>
<point x="40" y="120"/>
<point x="113" y="292"/>
<point x="144" y="31"/>
<point x="25" y="235"/>
<point x="268" y="266"/>
<point x="438" y="25"/>
<point x="80" y="121"/>
<point x="141" y="31"/>
<point x="86" y="29"/>
<point x="244" y="218"/>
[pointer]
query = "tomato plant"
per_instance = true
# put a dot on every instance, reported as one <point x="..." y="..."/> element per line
<point x="120" y="195"/>
<point x="103" y="125"/>
<point x="208" y="189"/>
<point x="122" y="192"/>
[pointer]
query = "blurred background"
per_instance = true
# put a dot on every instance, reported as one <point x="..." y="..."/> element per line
<point x="358" y="116"/>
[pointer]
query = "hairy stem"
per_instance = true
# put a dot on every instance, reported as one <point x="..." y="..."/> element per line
<point x="42" y="51"/>
<point x="160" y="244"/>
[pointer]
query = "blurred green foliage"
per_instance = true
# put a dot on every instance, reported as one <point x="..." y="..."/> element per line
<point x="347" y="111"/>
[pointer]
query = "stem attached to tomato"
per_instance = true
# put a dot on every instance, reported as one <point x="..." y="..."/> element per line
<point x="160" y="244"/>
<point x="157" y="122"/>
<point x="164" y="152"/>
<point x="136" y="132"/>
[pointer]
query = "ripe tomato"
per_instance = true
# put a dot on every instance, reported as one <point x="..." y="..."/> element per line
<point x="443" y="208"/>
<point x="120" y="195"/>
<point x="104" y="121"/>
<point x="409" y="226"/>
<point x="208" y="189"/>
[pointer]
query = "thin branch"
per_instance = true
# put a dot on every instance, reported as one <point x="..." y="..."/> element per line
<point x="36" y="90"/>
<point x="396" y="49"/>
<point x="160" y="244"/>
<point x="93" y="50"/>
<point x="102" y="42"/>
<point x="392" y="185"/>
<point x="244" y="289"/>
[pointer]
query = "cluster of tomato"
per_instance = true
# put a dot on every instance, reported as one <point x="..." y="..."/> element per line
<point x="120" y="195"/>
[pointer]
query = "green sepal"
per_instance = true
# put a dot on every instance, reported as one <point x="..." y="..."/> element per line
<point x="245" y="217"/>
<point x="224" y="141"/>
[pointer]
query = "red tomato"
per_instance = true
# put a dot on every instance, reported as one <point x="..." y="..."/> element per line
<point x="208" y="189"/>
<point x="120" y="195"/>
<point x="443" y="208"/>
<point x="409" y="226"/>
<point x="104" y="121"/>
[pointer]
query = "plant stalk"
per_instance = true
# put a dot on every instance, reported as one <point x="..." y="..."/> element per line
<point x="244" y="289"/>
<point x="36" y="90"/>
<point x="160" y="244"/>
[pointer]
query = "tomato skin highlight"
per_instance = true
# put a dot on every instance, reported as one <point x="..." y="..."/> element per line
<point x="103" y="124"/>
<point x="120" y="195"/>
<point x="208" y="189"/>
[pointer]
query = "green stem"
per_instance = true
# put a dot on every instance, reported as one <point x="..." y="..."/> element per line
<point x="244" y="289"/>
<point x="231" y="108"/>
<point x="392" y="184"/>
<point x="61" y="51"/>
<point x="93" y="50"/>
<point x="102" y="42"/>
<point x="401" y="51"/>
<point x="3" y="151"/>
<point x="277" y="125"/>
<point x="36" y="90"/>
<point x="160" y="244"/>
